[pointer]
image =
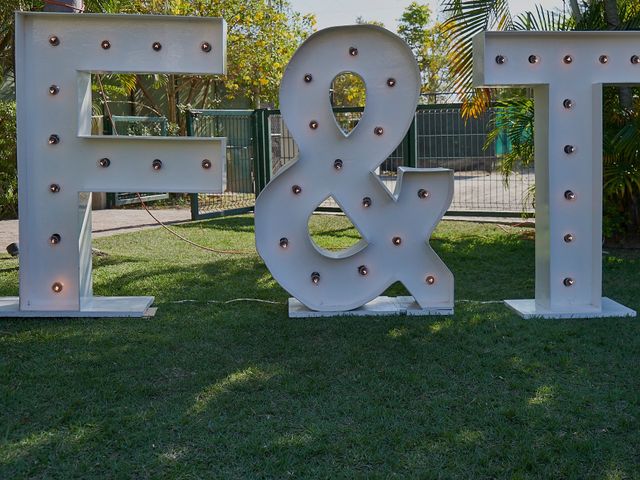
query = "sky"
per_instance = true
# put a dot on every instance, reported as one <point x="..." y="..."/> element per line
<point x="343" y="12"/>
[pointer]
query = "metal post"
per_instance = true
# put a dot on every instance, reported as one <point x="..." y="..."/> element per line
<point x="411" y="145"/>
<point x="260" y="154"/>
<point x="195" y="208"/>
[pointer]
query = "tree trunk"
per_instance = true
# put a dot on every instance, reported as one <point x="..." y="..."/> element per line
<point x="69" y="6"/>
<point x="613" y="22"/>
<point x="575" y="10"/>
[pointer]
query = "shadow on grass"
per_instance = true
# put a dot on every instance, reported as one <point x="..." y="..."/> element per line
<point x="241" y="391"/>
<point x="243" y="223"/>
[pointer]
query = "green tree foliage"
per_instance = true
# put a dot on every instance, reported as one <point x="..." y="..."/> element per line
<point x="428" y="45"/>
<point x="262" y="36"/>
<point x="427" y="42"/>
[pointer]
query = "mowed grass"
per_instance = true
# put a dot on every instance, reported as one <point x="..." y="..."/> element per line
<point x="239" y="390"/>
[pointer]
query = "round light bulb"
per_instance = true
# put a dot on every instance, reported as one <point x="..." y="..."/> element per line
<point x="568" y="282"/>
<point x="54" y="41"/>
<point x="337" y="164"/>
<point x="533" y="59"/>
<point x="568" y="238"/>
<point x="366" y="202"/>
<point x="353" y="51"/>
<point x="105" y="44"/>
<point x="430" y="279"/>
<point x="54" y="90"/>
<point x="54" y="188"/>
<point x="569" y="195"/>
<point x="569" y="149"/>
<point x="501" y="59"/>
<point x="284" y="242"/>
<point x="54" y="139"/>
<point x="391" y="82"/>
<point x="296" y="189"/>
<point x="308" y="78"/>
<point x="57" y="287"/>
<point x="567" y="59"/>
<point x="206" y="164"/>
<point x="424" y="194"/>
<point x="156" y="164"/>
<point x="396" y="241"/>
<point x="313" y="124"/>
<point x="104" y="162"/>
<point x="635" y="59"/>
<point x="363" y="270"/>
<point x="55" y="239"/>
<point x="567" y="103"/>
<point x="603" y="59"/>
<point x="315" y="278"/>
<point x="378" y="131"/>
<point x="205" y="47"/>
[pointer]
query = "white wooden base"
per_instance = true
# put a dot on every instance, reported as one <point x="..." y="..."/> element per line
<point x="528" y="309"/>
<point x="380" y="306"/>
<point x="91" y="307"/>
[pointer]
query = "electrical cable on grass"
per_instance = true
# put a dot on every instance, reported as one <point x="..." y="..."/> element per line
<point x="233" y="300"/>
<point x="114" y="131"/>
<point x="274" y="302"/>
<point x="197" y="245"/>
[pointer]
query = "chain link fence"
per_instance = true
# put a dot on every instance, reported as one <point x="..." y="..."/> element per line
<point x="443" y="139"/>
<point x="259" y="145"/>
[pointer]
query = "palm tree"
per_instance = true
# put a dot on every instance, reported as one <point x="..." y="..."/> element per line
<point x="513" y="112"/>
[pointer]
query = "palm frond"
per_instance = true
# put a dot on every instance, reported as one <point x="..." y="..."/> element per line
<point x="466" y="19"/>
<point x="543" y="20"/>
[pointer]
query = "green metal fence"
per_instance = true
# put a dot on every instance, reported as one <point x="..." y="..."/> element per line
<point x="134" y="125"/>
<point x="259" y="144"/>
<point x="238" y="126"/>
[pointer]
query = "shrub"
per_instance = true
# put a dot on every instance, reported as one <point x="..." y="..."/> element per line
<point x="8" y="165"/>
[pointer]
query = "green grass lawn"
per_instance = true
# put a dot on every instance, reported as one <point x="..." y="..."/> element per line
<point x="239" y="390"/>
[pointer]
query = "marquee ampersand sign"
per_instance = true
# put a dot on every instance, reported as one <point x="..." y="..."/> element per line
<point x="395" y="227"/>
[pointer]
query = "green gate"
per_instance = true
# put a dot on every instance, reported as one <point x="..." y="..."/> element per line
<point x="240" y="191"/>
